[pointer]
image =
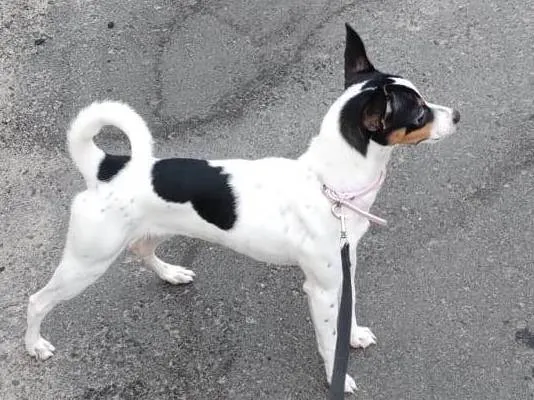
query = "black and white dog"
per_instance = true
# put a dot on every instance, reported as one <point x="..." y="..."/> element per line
<point x="274" y="210"/>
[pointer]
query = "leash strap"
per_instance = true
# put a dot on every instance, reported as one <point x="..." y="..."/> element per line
<point x="341" y="360"/>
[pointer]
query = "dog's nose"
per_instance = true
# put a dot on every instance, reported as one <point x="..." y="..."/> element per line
<point x="455" y="116"/>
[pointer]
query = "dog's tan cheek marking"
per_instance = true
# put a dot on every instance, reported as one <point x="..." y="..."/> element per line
<point x="400" y="137"/>
<point x="397" y="136"/>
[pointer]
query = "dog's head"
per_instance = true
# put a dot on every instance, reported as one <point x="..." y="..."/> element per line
<point x="386" y="108"/>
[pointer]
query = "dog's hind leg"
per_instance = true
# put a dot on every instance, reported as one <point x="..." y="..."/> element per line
<point x="174" y="274"/>
<point x="94" y="241"/>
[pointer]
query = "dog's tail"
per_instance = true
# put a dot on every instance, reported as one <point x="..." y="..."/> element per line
<point x="86" y="155"/>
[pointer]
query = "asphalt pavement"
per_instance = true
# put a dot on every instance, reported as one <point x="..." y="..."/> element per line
<point x="447" y="287"/>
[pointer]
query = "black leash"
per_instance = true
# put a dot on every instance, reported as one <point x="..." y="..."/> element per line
<point x="344" y="317"/>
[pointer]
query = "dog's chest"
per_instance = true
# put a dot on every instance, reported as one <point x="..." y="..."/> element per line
<point x="281" y="211"/>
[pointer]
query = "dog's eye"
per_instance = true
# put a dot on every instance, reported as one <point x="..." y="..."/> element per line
<point x="421" y="117"/>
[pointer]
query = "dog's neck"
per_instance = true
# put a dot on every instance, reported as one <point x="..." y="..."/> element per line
<point x="336" y="163"/>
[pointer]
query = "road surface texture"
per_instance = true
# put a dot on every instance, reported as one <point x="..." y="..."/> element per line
<point x="448" y="287"/>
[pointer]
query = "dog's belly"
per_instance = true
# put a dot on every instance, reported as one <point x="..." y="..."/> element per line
<point x="266" y="237"/>
<point x="276" y="242"/>
<point x="268" y="251"/>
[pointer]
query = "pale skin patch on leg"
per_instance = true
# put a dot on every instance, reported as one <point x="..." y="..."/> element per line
<point x="400" y="136"/>
<point x="174" y="274"/>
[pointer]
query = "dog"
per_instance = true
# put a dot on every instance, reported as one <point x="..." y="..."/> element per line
<point x="273" y="210"/>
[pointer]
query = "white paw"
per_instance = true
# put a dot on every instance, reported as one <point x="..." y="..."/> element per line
<point x="350" y="385"/>
<point x="362" y="337"/>
<point x="175" y="274"/>
<point x="41" y="349"/>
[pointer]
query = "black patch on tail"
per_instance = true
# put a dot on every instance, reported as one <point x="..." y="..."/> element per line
<point x="110" y="166"/>
<point x="183" y="180"/>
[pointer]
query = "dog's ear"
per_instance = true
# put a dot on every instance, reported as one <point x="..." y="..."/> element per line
<point x="362" y="118"/>
<point x="356" y="61"/>
<point x="374" y="112"/>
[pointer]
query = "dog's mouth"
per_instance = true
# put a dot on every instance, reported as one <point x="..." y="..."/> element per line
<point x="449" y="131"/>
<point x="430" y="140"/>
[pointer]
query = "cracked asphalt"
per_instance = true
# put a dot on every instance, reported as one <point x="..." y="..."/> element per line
<point x="448" y="287"/>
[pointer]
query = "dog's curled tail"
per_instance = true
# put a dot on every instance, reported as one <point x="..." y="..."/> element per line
<point x="88" y="123"/>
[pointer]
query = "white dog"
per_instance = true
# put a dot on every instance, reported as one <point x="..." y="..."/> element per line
<point x="273" y="210"/>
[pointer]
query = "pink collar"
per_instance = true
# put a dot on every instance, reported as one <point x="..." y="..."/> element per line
<point x="345" y="199"/>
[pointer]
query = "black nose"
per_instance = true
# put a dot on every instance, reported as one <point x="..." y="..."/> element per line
<point x="455" y="116"/>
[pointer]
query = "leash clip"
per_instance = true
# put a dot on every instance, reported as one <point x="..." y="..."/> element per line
<point x="337" y="211"/>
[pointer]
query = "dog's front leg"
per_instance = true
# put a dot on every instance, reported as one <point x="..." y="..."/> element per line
<point x="360" y="336"/>
<point x="324" y="304"/>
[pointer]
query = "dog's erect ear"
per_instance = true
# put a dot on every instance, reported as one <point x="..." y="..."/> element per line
<point x="374" y="112"/>
<point x="356" y="61"/>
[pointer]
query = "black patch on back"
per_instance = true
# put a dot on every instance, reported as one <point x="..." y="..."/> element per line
<point x="110" y="166"/>
<point x="182" y="180"/>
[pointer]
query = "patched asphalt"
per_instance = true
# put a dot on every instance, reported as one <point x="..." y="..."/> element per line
<point x="447" y="287"/>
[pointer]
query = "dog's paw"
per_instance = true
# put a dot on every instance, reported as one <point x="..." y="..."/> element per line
<point x="350" y="384"/>
<point x="362" y="337"/>
<point x="41" y="349"/>
<point x="174" y="274"/>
